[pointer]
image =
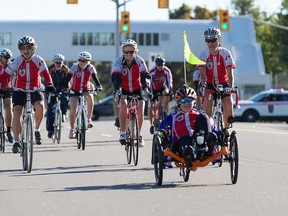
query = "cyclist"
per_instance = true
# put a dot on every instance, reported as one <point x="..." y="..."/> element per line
<point x="217" y="70"/>
<point x="186" y="122"/>
<point x="81" y="74"/>
<point x="5" y="56"/>
<point x="58" y="71"/>
<point x="161" y="82"/>
<point x="130" y="75"/>
<point x="25" y="70"/>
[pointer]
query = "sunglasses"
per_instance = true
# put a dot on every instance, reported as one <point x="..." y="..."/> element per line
<point x="129" y="52"/>
<point x="57" y="62"/>
<point x="29" y="47"/>
<point x="185" y="100"/>
<point x="211" y="40"/>
<point x="81" y="60"/>
<point x="6" y="57"/>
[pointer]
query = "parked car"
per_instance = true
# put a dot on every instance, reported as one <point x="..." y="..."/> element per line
<point x="103" y="107"/>
<point x="266" y="105"/>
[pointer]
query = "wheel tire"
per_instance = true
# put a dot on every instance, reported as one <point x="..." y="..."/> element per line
<point x="158" y="155"/>
<point x="135" y="136"/>
<point x="250" y="116"/>
<point x="233" y="157"/>
<point x="27" y="145"/>
<point x="128" y="146"/>
<point x="59" y="127"/>
<point x="83" y="131"/>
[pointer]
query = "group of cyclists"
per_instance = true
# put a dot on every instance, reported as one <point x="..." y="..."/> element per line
<point x="23" y="73"/>
<point x="129" y="76"/>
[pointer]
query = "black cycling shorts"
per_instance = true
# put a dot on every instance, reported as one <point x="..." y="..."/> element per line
<point x="19" y="97"/>
<point x="137" y="92"/>
<point x="6" y="94"/>
<point x="211" y="86"/>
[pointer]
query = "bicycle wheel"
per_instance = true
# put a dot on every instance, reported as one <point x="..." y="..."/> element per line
<point x="78" y="132"/>
<point x="185" y="172"/>
<point x="158" y="155"/>
<point x="27" y="144"/>
<point x="233" y="157"/>
<point x="57" y="127"/>
<point x="128" y="145"/>
<point x="83" y="130"/>
<point x="2" y="134"/>
<point x="135" y="138"/>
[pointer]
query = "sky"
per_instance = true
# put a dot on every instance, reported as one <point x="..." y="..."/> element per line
<point x="106" y="9"/>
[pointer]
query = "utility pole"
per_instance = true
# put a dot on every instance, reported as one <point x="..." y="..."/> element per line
<point x="117" y="36"/>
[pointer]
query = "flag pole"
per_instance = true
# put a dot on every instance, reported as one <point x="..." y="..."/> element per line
<point x="184" y="63"/>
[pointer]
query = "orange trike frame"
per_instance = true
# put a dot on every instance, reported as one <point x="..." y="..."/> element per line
<point x="179" y="161"/>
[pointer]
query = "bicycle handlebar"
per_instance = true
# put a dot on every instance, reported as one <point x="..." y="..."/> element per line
<point x="222" y="90"/>
<point x="29" y="90"/>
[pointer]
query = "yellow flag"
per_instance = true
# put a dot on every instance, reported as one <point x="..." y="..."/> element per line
<point x="189" y="56"/>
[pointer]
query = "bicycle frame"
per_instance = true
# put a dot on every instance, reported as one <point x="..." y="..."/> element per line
<point x="2" y="126"/>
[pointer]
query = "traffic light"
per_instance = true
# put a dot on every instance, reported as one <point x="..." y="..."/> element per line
<point x="224" y="20"/>
<point x="125" y="22"/>
<point x="163" y="3"/>
<point x="72" y="1"/>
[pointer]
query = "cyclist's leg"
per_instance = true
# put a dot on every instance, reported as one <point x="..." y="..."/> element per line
<point x="73" y="108"/>
<point x="50" y="114"/>
<point x="166" y="100"/>
<point x="7" y="101"/>
<point x="140" y="113"/>
<point x="64" y="104"/>
<point x="18" y="99"/>
<point x="90" y="105"/>
<point x="227" y="109"/>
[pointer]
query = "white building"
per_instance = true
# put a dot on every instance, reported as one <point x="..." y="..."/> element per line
<point x="165" y="37"/>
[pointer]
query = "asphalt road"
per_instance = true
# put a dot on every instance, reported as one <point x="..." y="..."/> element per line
<point x="98" y="181"/>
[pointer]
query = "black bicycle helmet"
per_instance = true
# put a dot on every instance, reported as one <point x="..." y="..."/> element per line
<point x="160" y="61"/>
<point x="185" y="92"/>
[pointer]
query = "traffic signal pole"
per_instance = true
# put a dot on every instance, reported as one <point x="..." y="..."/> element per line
<point x="117" y="36"/>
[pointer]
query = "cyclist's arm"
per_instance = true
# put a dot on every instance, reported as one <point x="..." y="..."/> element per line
<point x="47" y="77"/>
<point x="116" y="81"/>
<point x="230" y="76"/>
<point x="96" y="80"/>
<point x="169" y="80"/>
<point x="145" y="79"/>
<point x="67" y="79"/>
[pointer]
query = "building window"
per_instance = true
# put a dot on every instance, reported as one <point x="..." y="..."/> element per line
<point x="141" y="39"/>
<point x="82" y="39"/>
<point x="5" y="38"/>
<point x="75" y="39"/>
<point x="165" y="37"/>
<point x="89" y="38"/>
<point x="155" y="39"/>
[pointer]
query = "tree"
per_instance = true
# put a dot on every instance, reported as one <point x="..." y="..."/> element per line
<point x="184" y="12"/>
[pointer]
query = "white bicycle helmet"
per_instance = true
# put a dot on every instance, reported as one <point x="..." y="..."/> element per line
<point x="58" y="57"/>
<point x="212" y="33"/>
<point x="26" y="40"/>
<point x="128" y="42"/>
<point x="6" y="53"/>
<point x="85" y="55"/>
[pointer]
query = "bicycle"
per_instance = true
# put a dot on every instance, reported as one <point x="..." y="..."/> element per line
<point x="27" y="134"/>
<point x="82" y="119"/>
<point x="132" y="131"/>
<point x="218" y="113"/>
<point x="57" y="116"/>
<point x="2" y="126"/>
<point x="158" y="110"/>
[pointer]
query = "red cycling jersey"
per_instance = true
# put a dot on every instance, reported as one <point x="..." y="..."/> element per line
<point x="81" y="77"/>
<point x="26" y="74"/>
<point x="161" y="79"/>
<point x="131" y="77"/>
<point x="216" y="65"/>
<point x="4" y="83"/>
<point x="183" y="124"/>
